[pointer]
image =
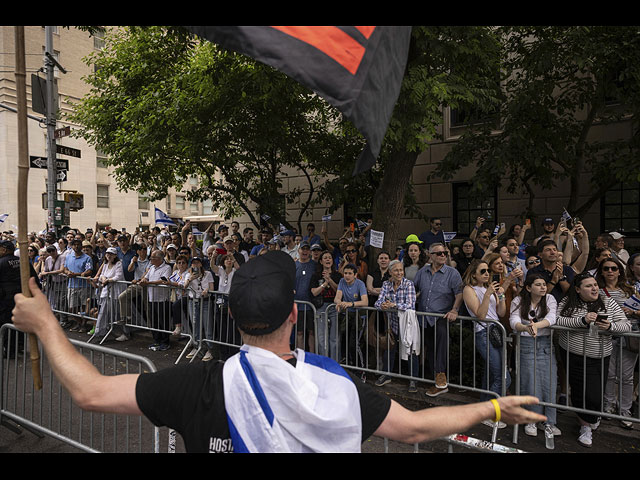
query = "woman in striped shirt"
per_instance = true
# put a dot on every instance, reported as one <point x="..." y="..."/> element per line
<point x="622" y="364"/>
<point x="586" y="350"/>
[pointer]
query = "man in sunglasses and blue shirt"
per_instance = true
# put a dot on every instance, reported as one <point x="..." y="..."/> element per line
<point x="439" y="290"/>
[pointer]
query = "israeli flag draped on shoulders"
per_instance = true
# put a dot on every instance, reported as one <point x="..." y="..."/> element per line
<point x="274" y="407"/>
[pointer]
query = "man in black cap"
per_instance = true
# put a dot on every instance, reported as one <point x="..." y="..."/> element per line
<point x="266" y="398"/>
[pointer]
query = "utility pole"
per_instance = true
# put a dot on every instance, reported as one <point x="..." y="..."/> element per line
<point x="50" y="63"/>
<point x="52" y="195"/>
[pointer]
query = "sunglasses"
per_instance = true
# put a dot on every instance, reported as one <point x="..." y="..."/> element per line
<point x="533" y="262"/>
<point x="483" y="271"/>
<point x="440" y="254"/>
<point x="610" y="269"/>
<point x="351" y="251"/>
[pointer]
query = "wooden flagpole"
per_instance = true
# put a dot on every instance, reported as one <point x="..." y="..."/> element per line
<point x="23" y="180"/>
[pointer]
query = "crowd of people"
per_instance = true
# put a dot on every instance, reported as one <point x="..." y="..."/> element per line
<point x="526" y="285"/>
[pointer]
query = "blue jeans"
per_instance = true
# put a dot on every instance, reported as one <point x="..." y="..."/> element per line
<point x="538" y="373"/>
<point x="493" y="365"/>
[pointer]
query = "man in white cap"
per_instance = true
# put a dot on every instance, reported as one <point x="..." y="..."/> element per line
<point x="266" y="398"/>
<point x="618" y="247"/>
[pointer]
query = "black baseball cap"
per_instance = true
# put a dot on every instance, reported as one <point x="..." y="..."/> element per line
<point x="262" y="292"/>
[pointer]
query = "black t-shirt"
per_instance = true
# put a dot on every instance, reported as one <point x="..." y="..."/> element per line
<point x="328" y="294"/>
<point x="190" y="400"/>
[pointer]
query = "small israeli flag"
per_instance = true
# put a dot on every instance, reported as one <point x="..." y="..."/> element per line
<point x="3" y="217"/>
<point x="163" y="218"/>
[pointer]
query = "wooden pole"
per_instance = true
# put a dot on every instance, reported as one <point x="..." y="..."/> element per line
<point x="23" y="181"/>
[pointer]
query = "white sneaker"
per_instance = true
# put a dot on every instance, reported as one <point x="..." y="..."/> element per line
<point x="531" y="429"/>
<point x="585" y="436"/>
<point x="122" y="338"/>
<point x="192" y="353"/>
<point x="207" y="357"/>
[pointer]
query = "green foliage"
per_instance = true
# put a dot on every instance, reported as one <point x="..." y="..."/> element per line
<point x="164" y="106"/>
<point x="559" y="83"/>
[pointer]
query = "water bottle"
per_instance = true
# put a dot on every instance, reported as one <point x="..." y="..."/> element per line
<point x="593" y="330"/>
<point x="548" y="436"/>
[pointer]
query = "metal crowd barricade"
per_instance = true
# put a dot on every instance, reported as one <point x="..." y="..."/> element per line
<point x="358" y="346"/>
<point x="563" y="362"/>
<point x="51" y="411"/>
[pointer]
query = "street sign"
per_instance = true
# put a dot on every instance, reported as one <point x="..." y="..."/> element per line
<point x="72" y="152"/>
<point x="62" y="132"/>
<point x="61" y="175"/>
<point x="41" y="162"/>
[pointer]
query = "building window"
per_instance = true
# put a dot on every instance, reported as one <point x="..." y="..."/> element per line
<point x="620" y="209"/>
<point x="143" y="202"/>
<point x="101" y="159"/>
<point x="466" y="209"/>
<point x="103" y="196"/>
<point x="207" y="207"/>
<point x="180" y="205"/>
<point x="193" y="207"/>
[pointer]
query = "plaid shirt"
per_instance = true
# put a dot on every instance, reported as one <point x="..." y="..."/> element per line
<point x="404" y="297"/>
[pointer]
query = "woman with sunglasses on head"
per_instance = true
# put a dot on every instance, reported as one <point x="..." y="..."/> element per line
<point x="613" y="284"/>
<point x="485" y="299"/>
<point x="352" y="256"/>
<point x="586" y="351"/>
<point x="532" y="312"/>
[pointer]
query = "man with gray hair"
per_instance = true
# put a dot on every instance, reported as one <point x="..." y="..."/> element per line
<point x="439" y="290"/>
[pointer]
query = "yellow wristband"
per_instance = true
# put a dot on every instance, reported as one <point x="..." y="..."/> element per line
<point x="496" y="406"/>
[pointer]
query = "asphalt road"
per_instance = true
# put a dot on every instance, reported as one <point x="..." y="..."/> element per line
<point x="610" y="437"/>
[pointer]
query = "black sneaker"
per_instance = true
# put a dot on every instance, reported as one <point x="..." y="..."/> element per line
<point x="382" y="380"/>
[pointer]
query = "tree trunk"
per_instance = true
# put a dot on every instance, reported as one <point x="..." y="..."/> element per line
<point x="389" y="201"/>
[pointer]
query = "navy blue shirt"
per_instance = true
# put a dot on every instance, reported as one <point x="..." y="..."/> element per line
<point x="125" y="258"/>
<point x="304" y="272"/>
<point x="557" y="292"/>
<point x="429" y="237"/>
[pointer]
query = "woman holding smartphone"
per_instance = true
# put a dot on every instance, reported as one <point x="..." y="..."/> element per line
<point x="585" y="350"/>
<point x="485" y="299"/>
<point x="612" y="283"/>
<point x="532" y="313"/>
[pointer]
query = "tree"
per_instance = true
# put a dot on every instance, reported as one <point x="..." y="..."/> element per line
<point x="559" y="84"/>
<point x="447" y="66"/>
<point x="164" y="106"/>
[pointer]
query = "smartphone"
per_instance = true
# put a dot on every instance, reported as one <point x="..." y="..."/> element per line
<point x="164" y="279"/>
<point x="527" y="221"/>
<point x="495" y="278"/>
<point x="601" y="318"/>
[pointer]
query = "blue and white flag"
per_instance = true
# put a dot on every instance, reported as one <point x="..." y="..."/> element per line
<point x="448" y="236"/>
<point x="3" y="217"/>
<point x="273" y="406"/>
<point x="565" y="216"/>
<point x="163" y="218"/>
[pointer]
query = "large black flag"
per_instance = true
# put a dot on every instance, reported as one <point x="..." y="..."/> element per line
<point x="358" y="70"/>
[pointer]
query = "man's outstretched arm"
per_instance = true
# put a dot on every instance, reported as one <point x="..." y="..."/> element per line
<point x="430" y="424"/>
<point x="89" y="389"/>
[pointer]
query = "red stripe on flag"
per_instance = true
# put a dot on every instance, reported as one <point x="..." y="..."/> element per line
<point x="333" y="42"/>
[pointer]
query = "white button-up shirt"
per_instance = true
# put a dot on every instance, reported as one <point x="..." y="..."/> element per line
<point x="158" y="293"/>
